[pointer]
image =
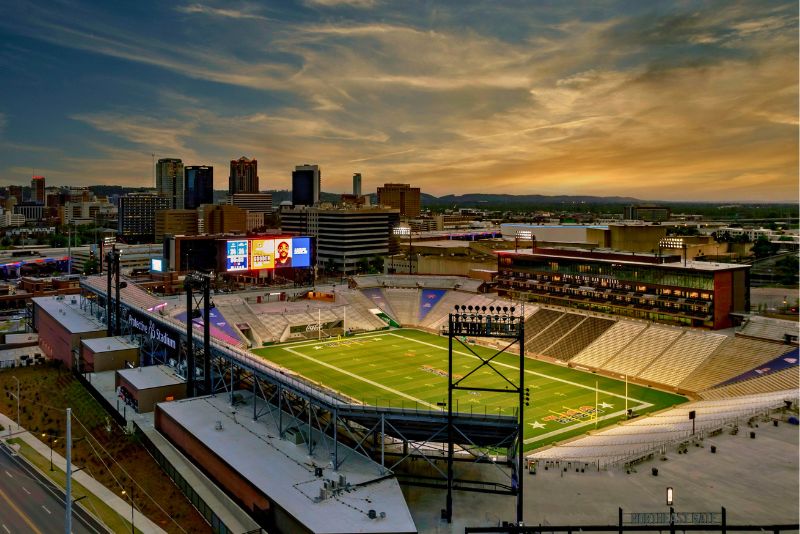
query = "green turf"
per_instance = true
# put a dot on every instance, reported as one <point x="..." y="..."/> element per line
<point x="408" y="368"/>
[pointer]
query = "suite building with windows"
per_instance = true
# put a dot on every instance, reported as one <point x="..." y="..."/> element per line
<point x="653" y="287"/>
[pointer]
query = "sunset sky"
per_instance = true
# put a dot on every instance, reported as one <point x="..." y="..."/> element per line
<point x="672" y="100"/>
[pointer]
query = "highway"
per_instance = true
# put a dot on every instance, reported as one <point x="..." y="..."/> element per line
<point x="30" y="505"/>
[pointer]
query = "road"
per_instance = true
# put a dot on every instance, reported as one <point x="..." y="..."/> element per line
<point x="32" y="506"/>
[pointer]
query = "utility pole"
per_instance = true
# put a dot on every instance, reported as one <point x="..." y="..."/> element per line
<point x="68" y="454"/>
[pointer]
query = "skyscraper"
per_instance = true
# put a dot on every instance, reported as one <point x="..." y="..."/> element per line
<point x="169" y="181"/>
<point x="357" y="184"/>
<point x="37" y="189"/>
<point x="402" y="197"/>
<point x="198" y="186"/>
<point x="244" y="176"/>
<point x="306" y="182"/>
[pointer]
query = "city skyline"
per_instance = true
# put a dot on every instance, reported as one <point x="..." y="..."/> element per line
<point x="665" y="100"/>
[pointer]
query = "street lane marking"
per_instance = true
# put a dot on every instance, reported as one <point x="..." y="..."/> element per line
<point x="19" y="512"/>
<point x="9" y="475"/>
<point x="26" y="490"/>
<point x="6" y="528"/>
<point x="46" y="510"/>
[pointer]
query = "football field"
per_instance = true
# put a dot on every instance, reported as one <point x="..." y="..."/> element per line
<point x="408" y="368"/>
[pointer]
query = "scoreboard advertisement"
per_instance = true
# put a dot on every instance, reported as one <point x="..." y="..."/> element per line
<point x="275" y="253"/>
<point x="237" y="255"/>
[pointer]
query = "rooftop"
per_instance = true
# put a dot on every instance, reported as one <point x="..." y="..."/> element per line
<point x="107" y="344"/>
<point x="151" y="376"/>
<point x="66" y="310"/>
<point x="626" y="258"/>
<point x="285" y="472"/>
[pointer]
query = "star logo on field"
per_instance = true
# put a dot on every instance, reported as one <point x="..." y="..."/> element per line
<point x="606" y="405"/>
<point x="537" y="424"/>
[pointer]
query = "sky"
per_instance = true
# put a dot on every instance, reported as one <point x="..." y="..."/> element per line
<point x="680" y="100"/>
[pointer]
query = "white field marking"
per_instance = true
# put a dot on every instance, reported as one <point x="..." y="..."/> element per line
<point x="318" y="342"/>
<point x="556" y="432"/>
<point x="26" y="490"/>
<point x="582" y="386"/>
<point x="46" y="510"/>
<point x="357" y="377"/>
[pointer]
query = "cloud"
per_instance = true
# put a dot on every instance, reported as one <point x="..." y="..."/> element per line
<point x="654" y="103"/>
<point x="200" y="9"/>
<point x="337" y="3"/>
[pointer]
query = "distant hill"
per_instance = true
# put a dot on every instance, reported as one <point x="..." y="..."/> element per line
<point x="476" y="199"/>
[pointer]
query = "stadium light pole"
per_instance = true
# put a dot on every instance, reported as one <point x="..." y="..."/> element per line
<point x="525" y="235"/>
<point x="401" y="231"/>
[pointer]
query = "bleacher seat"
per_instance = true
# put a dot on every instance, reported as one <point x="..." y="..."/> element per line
<point x="608" y="344"/>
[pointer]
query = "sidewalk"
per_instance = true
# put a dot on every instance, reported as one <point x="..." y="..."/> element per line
<point x="114" y="501"/>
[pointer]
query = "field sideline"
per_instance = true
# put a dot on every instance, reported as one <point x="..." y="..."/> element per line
<point x="408" y="368"/>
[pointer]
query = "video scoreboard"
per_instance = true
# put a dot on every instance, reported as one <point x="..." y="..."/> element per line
<point x="255" y="254"/>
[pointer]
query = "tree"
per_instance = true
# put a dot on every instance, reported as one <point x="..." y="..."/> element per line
<point x="91" y="266"/>
<point x="762" y="248"/>
<point x="786" y="269"/>
<point x="377" y="265"/>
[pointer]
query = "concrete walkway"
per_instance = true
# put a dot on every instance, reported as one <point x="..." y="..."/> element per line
<point x="114" y="501"/>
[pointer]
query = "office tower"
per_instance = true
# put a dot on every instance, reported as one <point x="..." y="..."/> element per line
<point x="402" y="197"/>
<point x="37" y="189"/>
<point x="137" y="215"/>
<point x="345" y="236"/>
<point x="357" y="184"/>
<point x="198" y="186"/>
<point x="175" y="222"/>
<point x="222" y="219"/>
<point x="169" y="181"/>
<point x="244" y="176"/>
<point x="306" y="181"/>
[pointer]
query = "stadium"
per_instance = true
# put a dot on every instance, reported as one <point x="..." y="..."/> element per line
<point x="341" y="392"/>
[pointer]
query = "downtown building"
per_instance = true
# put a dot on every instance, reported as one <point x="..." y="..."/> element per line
<point x="306" y="185"/>
<point x="136" y="216"/>
<point x="243" y="177"/>
<point x="198" y="186"/>
<point x="169" y="181"/>
<point x="401" y="197"/>
<point x="37" y="189"/>
<point x="344" y="236"/>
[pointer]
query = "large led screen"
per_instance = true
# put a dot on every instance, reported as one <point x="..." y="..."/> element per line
<point x="236" y="255"/>
<point x="262" y="254"/>
<point x="301" y="252"/>
<point x="283" y="252"/>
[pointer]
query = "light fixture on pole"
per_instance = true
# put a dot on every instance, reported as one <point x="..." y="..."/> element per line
<point x="50" y="441"/>
<point x="673" y="243"/>
<point x="525" y="235"/>
<point x="133" y="530"/>
<point x="17" y="395"/>
<point x="669" y="496"/>
<point x="401" y="231"/>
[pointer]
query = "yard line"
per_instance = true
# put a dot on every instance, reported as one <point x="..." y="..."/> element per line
<point x="646" y="404"/>
<point x="558" y="431"/>
<point x="357" y="377"/>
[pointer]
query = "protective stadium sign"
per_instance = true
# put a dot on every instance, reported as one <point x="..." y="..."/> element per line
<point x="149" y="328"/>
<point x="676" y="518"/>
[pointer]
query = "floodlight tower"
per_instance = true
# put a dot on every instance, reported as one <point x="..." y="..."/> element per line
<point x="198" y="305"/>
<point x="495" y="322"/>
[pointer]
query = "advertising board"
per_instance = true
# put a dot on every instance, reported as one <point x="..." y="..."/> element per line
<point x="262" y="254"/>
<point x="237" y="255"/>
